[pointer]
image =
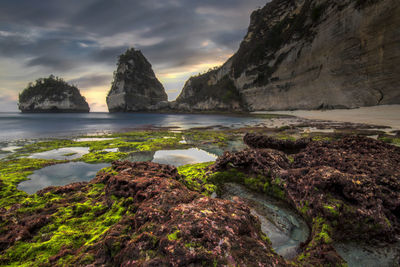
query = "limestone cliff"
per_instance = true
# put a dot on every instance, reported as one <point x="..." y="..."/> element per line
<point x="51" y="95"/>
<point x="303" y="54"/>
<point x="135" y="86"/>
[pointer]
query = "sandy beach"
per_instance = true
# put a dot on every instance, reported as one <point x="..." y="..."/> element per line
<point x="387" y="115"/>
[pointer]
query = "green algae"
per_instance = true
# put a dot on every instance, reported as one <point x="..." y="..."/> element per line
<point x="322" y="230"/>
<point x="174" y="236"/>
<point x="390" y="140"/>
<point x="220" y="138"/>
<point x="132" y="141"/>
<point x="263" y="184"/>
<point x="332" y="209"/>
<point x="12" y="172"/>
<point x="80" y="223"/>
<point x="195" y="178"/>
<point x="102" y="156"/>
<point x="322" y="138"/>
<point x="321" y="234"/>
<point x="70" y="154"/>
<point x="283" y="136"/>
<point x="70" y="227"/>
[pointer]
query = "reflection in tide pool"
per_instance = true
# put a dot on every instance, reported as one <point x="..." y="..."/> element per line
<point x="140" y="156"/>
<point x="284" y="227"/>
<point x="60" y="174"/>
<point x="183" y="156"/>
<point x="90" y="139"/>
<point x="360" y="255"/>
<point x="11" y="148"/>
<point x="65" y="153"/>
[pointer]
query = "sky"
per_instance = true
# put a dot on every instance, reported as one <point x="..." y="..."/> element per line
<point x="80" y="40"/>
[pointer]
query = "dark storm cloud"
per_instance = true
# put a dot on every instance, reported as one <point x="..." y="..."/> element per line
<point x="65" y="34"/>
<point x="107" y="55"/>
<point x="52" y="62"/>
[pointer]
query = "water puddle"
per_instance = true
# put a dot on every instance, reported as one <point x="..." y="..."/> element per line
<point x="317" y="130"/>
<point x="65" y="153"/>
<point x="10" y="148"/>
<point x="183" y="156"/>
<point x="358" y="255"/>
<point x="111" y="149"/>
<point x="140" y="156"/>
<point x="60" y="174"/>
<point x="89" y="139"/>
<point x="284" y="227"/>
<point x="232" y="146"/>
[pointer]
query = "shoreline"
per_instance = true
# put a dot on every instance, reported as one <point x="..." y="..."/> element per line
<point x="113" y="189"/>
<point x="386" y="115"/>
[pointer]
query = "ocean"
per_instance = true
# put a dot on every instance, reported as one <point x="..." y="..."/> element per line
<point x="16" y="126"/>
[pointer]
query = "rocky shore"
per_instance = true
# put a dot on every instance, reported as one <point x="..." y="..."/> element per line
<point x="149" y="214"/>
<point x="347" y="189"/>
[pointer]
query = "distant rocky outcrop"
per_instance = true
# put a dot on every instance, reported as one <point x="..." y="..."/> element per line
<point x="303" y="54"/>
<point x="135" y="86"/>
<point x="51" y="94"/>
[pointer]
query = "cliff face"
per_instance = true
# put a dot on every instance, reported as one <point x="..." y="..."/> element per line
<point x="51" y="95"/>
<point x="206" y="92"/>
<point x="303" y="54"/>
<point x="135" y="86"/>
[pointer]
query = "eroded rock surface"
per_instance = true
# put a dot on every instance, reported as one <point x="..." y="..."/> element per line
<point x="135" y="86"/>
<point x="349" y="190"/>
<point x="160" y="223"/>
<point x="261" y="141"/>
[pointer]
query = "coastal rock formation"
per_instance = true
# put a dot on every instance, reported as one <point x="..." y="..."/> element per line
<point x="199" y="93"/>
<point x="261" y="141"/>
<point x="349" y="190"/>
<point x="133" y="214"/>
<point x="51" y="95"/>
<point x="305" y="54"/>
<point x="135" y="86"/>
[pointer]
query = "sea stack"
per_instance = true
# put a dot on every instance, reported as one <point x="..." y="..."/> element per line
<point x="135" y="86"/>
<point x="303" y="54"/>
<point x="51" y="95"/>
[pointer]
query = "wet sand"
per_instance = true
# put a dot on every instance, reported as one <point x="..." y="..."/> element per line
<point x="385" y="115"/>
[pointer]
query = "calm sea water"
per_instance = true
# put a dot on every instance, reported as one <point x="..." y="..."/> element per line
<point x="15" y="126"/>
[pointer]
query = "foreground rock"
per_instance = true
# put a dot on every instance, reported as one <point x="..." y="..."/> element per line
<point x="261" y="141"/>
<point x="135" y="214"/>
<point x="349" y="190"/>
<point x="52" y="95"/>
<point x="135" y="86"/>
<point x="308" y="55"/>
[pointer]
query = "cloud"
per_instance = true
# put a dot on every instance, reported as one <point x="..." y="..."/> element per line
<point x="71" y="38"/>
<point x="55" y="63"/>
<point x="94" y="80"/>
